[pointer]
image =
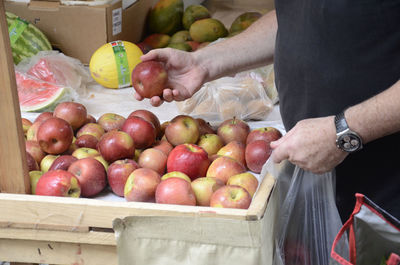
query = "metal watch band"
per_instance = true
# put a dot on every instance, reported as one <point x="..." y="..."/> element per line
<point x="340" y="122"/>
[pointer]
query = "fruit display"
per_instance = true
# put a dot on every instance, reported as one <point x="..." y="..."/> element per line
<point x="184" y="161"/>
<point x="26" y="39"/>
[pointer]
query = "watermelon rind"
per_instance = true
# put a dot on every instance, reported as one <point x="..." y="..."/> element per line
<point x="31" y="41"/>
<point x="50" y="103"/>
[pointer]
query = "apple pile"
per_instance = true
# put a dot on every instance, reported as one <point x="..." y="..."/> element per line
<point x="183" y="161"/>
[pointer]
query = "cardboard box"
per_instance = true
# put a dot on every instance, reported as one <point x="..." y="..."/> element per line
<point x="79" y="28"/>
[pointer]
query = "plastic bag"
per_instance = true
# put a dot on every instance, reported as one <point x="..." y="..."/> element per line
<point x="307" y="220"/>
<point x="57" y="68"/>
<point x="228" y="97"/>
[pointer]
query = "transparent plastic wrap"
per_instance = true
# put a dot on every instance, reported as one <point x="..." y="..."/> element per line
<point x="57" y="68"/>
<point x="307" y="219"/>
<point x="36" y="95"/>
<point x="227" y="97"/>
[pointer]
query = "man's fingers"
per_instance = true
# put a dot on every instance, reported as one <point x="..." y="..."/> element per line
<point x="137" y="96"/>
<point x="156" y="54"/>
<point x="156" y="101"/>
<point x="279" y="154"/>
<point x="167" y="95"/>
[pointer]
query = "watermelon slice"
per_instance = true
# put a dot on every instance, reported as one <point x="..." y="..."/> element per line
<point x="36" y="95"/>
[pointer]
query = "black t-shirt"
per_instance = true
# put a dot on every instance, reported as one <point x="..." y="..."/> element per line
<point x="331" y="54"/>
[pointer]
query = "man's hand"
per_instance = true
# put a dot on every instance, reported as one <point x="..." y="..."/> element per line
<point x="185" y="75"/>
<point x="310" y="145"/>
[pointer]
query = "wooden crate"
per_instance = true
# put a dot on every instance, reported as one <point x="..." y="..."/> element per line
<point x="55" y="230"/>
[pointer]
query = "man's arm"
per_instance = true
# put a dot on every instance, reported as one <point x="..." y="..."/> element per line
<point x="377" y="116"/>
<point x="252" y="48"/>
<point x="311" y="143"/>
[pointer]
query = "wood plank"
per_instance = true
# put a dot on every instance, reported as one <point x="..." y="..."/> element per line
<point x="14" y="176"/>
<point x="56" y="253"/>
<point x="260" y="200"/>
<point x="90" y="237"/>
<point x="73" y="212"/>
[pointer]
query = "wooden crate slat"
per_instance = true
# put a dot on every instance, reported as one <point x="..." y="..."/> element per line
<point x="14" y="176"/>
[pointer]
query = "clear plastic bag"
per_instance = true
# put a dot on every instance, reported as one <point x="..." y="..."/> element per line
<point x="307" y="219"/>
<point x="241" y="97"/>
<point x="57" y="68"/>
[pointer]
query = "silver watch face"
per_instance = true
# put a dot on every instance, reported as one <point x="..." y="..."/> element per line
<point x="349" y="142"/>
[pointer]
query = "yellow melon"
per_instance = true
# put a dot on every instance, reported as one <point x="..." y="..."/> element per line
<point x="111" y="65"/>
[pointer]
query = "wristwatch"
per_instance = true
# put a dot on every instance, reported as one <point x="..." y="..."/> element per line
<point x="346" y="139"/>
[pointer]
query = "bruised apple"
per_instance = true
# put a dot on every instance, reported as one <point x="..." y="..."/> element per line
<point x="58" y="183"/>
<point x="55" y="135"/>
<point x="231" y="196"/>
<point x="118" y="172"/>
<point x="182" y="129"/>
<point x="141" y="185"/>
<point x="31" y="162"/>
<point x="86" y="140"/>
<point x="149" y="79"/>
<point x="111" y="121"/>
<point x="204" y="127"/>
<point x="91" y="175"/>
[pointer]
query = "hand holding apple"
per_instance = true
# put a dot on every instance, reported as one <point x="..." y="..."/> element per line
<point x="149" y="79"/>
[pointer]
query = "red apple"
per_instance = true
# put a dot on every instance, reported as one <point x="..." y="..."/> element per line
<point x="256" y="154"/>
<point x="33" y="148"/>
<point x="234" y="150"/>
<point x="72" y="112"/>
<point x="164" y="146"/>
<point x="117" y="174"/>
<point x="203" y="189"/>
<point x="62" y="162"/>
<point x="154" y="159"/>
<point x="204" y="127"/>
<point x="25" y="125"/>
<point x="84" y="152"/>
<point x="43" y="116"/>
<point x="148" y="116"/>
<point x="267" y="134"/>
<point x="90" y="119"/>
<point x="55" y="135"/>
<point x="111" y="121"/>
<point x="31" y="162"/>
<point x="189" y="159"/>
<point x="142" y="132"/>
<point x="176" y="174"/>
<point x="175" y="191"/>
<point x="149" y="78"/>
<point x="91" y="175"/>
<point x="245" y="180"/>
<point x="224" y="167"/>
<point x="211" y="143"/>
<point x="46" y="162"/>
<point x="86" y="140"/>
<point x="141" y="185"/>
<point x="144" y="47"/>
<point x="231" y="197"/>
<point x="93" y="129"/>
<point x="233" y="130"/>
<point x="182" y="129"/>
<point x="116" y="145"/>
<point x="31" y="133"/>
<point x="58" y="183"/>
